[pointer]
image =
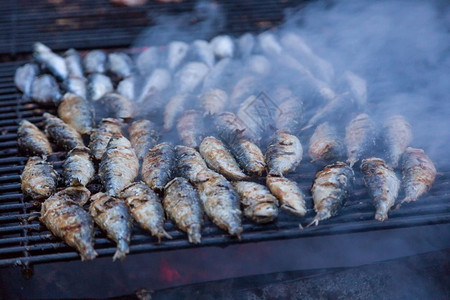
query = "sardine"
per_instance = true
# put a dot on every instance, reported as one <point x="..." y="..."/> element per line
<point x="95" y="62"/>
<point x="243" y="89"/>
<point x="220" y="201"/>
<point x="119" y="165"/>
<point x="176" y="53"/>
<point x="190" y="76"/>
<point x="190" y="163"/>
<point x="53" y="62"/>
<point x="25" y="76"/>
<point x="218" y="158"/>
<point x="325" y="145"/>
<point x="120" y="64"/>
<point x="77" y="112"/>
<point x="191" y="128"/>
<point x="157" y="82"/>
<point x="74" y="63"/>
<point x="219" y="76"/>
<point x="112" y="216"/>
<point x="76" y="86"/>
<point x="31" y="140"/>
<point x="148" y="60"/>
<point x="146" y="208"/>
<point x="397" y="134"/>
<point x="65" y="217"/>
<point x="214" y="101"/>
<point x="223" y="46"/>
<point x="288" y="117"/>
<point x="419" y="173"/>
<point x="98" y="86"/>
<point x="182" y="205"/>
<point x="78" y="168"/>
<point x="382" y="183"/>
<point x="158" y="166"/>
<point x="45" y="90"/>
<point x="269" y="44"/>
<point x="174" y="109"/>
<point x="100" y="136"/>
<point x="39" y="179"/>
<point x="229" y="127"/>
<point x="259" y="205"/>
<point x="289" y="193"/>
<point x="330" y="190"/>
<point x="357" y="87"/>
<point x="246" y="43"/>
<point x="359" y="137"/>
<point x="128" y="88"/>
<point x="61" y="133"/>
<point x="283" y="154"/>
<point x="144" y="135"/>
<point x="248" y="155"/>
<point x="203" y="52"/>
<point x="118" y="106"/>
<point x="259" y="65"/>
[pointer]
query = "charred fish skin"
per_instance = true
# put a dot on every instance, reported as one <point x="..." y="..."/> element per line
<point x="382" y="183"/>
<point x="31" y="140"/>
<point x="259" y="205"/>
<point x="144" y="135"/>
<point x="325" y="145"/>
<point x="45" y="90"/>
<point x="397" y="135"/>
<point x="118" y="106"/>
<point x="288" y="117"/>
<point x="283" y="154"/>
<point x="359" y="137"/>
<point x="78" y="168"/>
<point x="145" y="208"/>
<point x="174" y="108"/>
<point x="50" y="60"/>
<point x="218" y="158"/>
<point x="38" y="179"/>
<point x="64" y="216"/>
<point x="100" y="136"/>
<point x="77" y="112"/>
<point x="182" y="205"/>
<point x="220" y="201"/>
<point x="214" y="101"/>
<point x="63" y="134"/>
<point x="24" y="77"/>
<point x="191" y="128"/>
<point x="95" y="62"/>
<point x="419" y="173"/>
<point x="74" y="63"/>
<point x="158" y="166"/>
<point x="120" y="64"/>
<point x="330" y="190"/>
<point x="229" y="127"/>
<point x="248" y="155"/>
<point x="289" y="194"/>
<point x="119" y="165"/>
<point x="98" y="86"/>
<point x="190" y="163"/>
<point x="112" y="216"/>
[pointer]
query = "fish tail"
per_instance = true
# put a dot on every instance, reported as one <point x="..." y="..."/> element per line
<point x="314" y="222"/>
<point x="122" y="250"/>
<point x="406" y="199"/>
<point x="88" y="254"/>
<point x="194" y="234"/>
<point x="381" y="216"/>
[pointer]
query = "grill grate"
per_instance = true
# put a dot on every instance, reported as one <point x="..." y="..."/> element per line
<point x="23" y="241"/>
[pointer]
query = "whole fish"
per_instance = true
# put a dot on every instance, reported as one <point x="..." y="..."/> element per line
<point x="257" y="115"/>
<point x="220" y="201"/>
<point x="77" y="112"/>
<point x="359" y="137"/>
<point x="95" y="62"/>
<point x="419" y="173"/>
<point x="229" y="127"/>
<point x="214" y="101"/>
<point x="157" y="82"/>
<point x="247" y="86"/>
<point x="61" y="133"/>
<point x="158" y="166"/>
<point x="220" y="75"/>
<point x="259" y="65"/>
<point x="76" y="85"/>
<point x="38" y="178"/>
<point x="176" y="53"/>
<point x="98" y="86"/>
<point x="288" y="117"/>
<point x="25" y="76"/>
<point x="382" y="183"/>
<point x="182" y="205"/>
<point x="144" y="135"/>
<point x="248" y="155"/>
<point x="283" y="154"/>
<point x="397" y="134"/>
<point x="289" y="193"/>
<point x="190" y="76"/>
<point x="128" y="88"/>
<point x="118" y="106"/>
<point x="78" y="168"/>
<point x="174" y="109"/>
<point x="325" y="145"/>
<point x="120" y="64"/>
<point x="73" y="63"/>
<point x="259" y="205"/>
<point x="223" y="46"/>
<point x="357" y="87"/>
<point x="203" y="51"/>
<point x="45" y="90"/>
<point x="53" y="62"/>
<point x="146" y="208"/>
<point x="31" y="140"/>
<point x="246" y="43"/>
<point x="218" y="158"/>
<point x="148" y="60"/>
<point x="119" y="165"/>
<point x="330" y="190"/>
<point x="191" y="128"/>
<point x="65" y="217"/>
<point x="112" y="216"/>
<point x="100" y="136"/>
<point x="190" y="163"/>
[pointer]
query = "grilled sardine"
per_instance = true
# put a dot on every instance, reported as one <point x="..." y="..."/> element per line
<point x="283" y="154"/>
<point x="39" y="179"/>
<point x="78" y="168"/>
<point x="95" y="62"/>
<point x="359" y="137"/>
<point x="288" y="117"/>
<point x="120" y="64"/>
<point x="77" y="112"/>
<point x="174" y="109"/>
<point x="98" y="86"/>
<point x="397" y="134"/>
<point x="176" y="52"/>
<point x="190" y="128"/>
<point x="118" y="106"/>
<point x="248" y="155"/>
<point x="76" y="85"/>
<point x="214" y="101"/>
<point x="24" y="77"/>
<point x="158" y="166"/>
<point x="190" y="163"/>
<point x="325" y="145"/>
<point x="31" y="140"/>
<point x="45" y="90"/>
<point x="100" y="136"/>
<point x="144" y="135"/>
<point x="190" y="76"/>
<point x="73" y="63"/>
<point x="63" y="134"/>
<point x="289" y="193"/>
<point x="53" y="62"/>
